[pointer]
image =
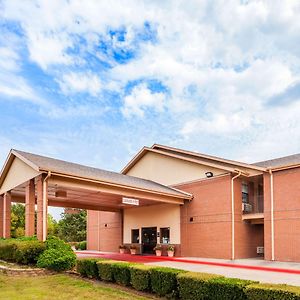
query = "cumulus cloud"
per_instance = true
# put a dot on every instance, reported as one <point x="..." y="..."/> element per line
<point x="141" y="99"/>
<point x="71" y="83"/>
<point x="223" y="65"/>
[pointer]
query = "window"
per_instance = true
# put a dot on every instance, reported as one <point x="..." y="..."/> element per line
<point x="245" y="192"/>
<point x="165" y="235"/>
<point x="135" y="236"/>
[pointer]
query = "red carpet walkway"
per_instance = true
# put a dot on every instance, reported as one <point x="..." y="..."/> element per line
<point x="149" y="259"/>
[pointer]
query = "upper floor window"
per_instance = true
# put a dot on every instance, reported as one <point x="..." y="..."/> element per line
<point x="245" y="192"/>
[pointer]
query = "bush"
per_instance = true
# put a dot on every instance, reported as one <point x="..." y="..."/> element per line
<point x="140" y="277"/>
<point x="121" y="272"/>
<point x="58" y="256"/>
<point x="227" y="288"/>
<point x="164" y="281"/>
<point x="87" y="267"/>
<point x="272" y="291"/>
<point x="28" y="252"/>
<point x="194" y="286"/>
<point x="23" y="250"/>
<point x="200" y="286"/>
<point x="105" y="270"/>
<point x="80" y="245"/>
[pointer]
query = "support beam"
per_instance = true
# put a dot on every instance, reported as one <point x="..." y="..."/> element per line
<point x="6" y="215"/>
<point x="1" y="216"/>
<point x="29" y="208"/>
<point x="42" y="208"/>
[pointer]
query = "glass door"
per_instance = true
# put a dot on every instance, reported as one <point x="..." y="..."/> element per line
<point x="149" y="240"/>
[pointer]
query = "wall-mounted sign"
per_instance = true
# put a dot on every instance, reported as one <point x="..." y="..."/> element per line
<point x="130" y="201"/>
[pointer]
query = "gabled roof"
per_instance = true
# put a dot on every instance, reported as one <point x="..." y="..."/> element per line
<point x="280" y="162"/>
<point x="213" y="161"/>
<point x="60" y="167"/>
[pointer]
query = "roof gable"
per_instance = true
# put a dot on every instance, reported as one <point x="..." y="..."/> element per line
<point x="203" y="159"/>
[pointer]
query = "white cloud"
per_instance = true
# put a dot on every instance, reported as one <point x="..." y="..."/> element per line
<point x="142" y="99"/>
<point x="80" y="82"/>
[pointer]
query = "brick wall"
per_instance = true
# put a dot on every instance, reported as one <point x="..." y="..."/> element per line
<point x="208" y="234"/>
<point x="286" y="215"/>
<point x="104" y="231"/>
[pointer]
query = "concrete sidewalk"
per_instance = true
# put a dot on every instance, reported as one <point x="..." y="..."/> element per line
<point x="253" y="269"/>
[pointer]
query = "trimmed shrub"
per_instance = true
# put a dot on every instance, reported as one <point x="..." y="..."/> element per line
<point x="58" y="256"/>
<point x="272" y="291"/>
<point x="121" y="272"/>
<point x="87" y="267"/>
<point x="140" y="277"/>
<point x="80" y="245"/>
<point x="164" y="281"/>
<point x="28" y="252"/>
<point x="194" y="286"/>
<point x="105" y="270"/>
<point x="7" y="249"/>
<point x="223" y="288"/>
<point x="23" y="251"/>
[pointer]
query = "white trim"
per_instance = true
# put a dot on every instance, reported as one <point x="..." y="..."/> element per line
<point x="272" y="216"/>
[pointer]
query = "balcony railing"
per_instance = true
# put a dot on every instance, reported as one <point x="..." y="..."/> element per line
<point x="255" y="205"/>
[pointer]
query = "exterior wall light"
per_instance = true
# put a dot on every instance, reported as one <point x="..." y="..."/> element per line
<point x="209" y="174"/>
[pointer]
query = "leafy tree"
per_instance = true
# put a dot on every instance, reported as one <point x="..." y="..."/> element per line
<point x="17" y="220"/>
<point x="72" y="227"/>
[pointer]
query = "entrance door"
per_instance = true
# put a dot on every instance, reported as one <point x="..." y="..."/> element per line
<point x="148" y="239"/>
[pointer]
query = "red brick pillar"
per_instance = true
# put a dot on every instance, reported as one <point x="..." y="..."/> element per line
<point x="42" y="203"/>
<point x="29" y="208"/>
<point x="6" y="214"/>
<point x="1" y="216"/>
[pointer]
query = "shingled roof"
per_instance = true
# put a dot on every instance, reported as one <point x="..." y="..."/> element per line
<point x="280" y="162"/>
<point x="43" y="163"/>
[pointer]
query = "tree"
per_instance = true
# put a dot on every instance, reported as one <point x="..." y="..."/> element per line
<point x="72" y="227"/>
<point x="17" y="220"/>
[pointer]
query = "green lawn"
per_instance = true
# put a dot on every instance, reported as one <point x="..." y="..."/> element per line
<point x="58" y="287"/>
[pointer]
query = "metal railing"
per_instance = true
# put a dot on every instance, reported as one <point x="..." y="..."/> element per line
<point x="255" y="205"/>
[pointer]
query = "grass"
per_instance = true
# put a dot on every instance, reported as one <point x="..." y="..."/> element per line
<point x="61" y="287"/>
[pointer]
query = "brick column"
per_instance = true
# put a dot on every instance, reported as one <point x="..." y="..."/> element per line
<point x="42" y="197"/>
<point x="6" y="214"/>
<point x="29" y="208"/>
<point x="1" y="216"/>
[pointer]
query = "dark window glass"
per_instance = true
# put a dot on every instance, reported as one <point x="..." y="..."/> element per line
<point x="165" y="235"/>
<point x="245" y="192"/>
<point x="135" y="236"/>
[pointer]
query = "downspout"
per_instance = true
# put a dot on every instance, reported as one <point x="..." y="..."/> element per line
<point x="45" y="204"/>
<point x="272" y="215"/>
<point x="232" y="215"/>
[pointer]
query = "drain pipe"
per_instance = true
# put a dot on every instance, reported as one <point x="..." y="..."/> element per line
<point x="45" y="204"/>
<point x="232" y="215"/>
<point x="272" y="215"/>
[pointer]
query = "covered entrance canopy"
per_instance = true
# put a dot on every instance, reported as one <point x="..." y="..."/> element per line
<point x="37" y="180"/>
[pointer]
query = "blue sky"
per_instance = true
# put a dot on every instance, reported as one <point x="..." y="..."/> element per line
<point x="92" y="81"/>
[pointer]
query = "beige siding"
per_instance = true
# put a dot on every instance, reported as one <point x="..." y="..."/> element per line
<point x="18" y="173"/>
<point x="169" y="170"/>
<point x="164" y="215"/>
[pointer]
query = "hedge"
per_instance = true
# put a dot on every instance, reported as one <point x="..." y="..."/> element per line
<point x="87" y="267"/>
<point x="175" y="283"/>
<point x="23" y="251"/>
<point x="105" y="270"/>
<point x="223" y="288"/>
<point x="272" y="291"/>
<point x="164" y="281"/>
<point x="194" y="286"/>
<point x="140" y="277"/>
<point x="80" y="245"/>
